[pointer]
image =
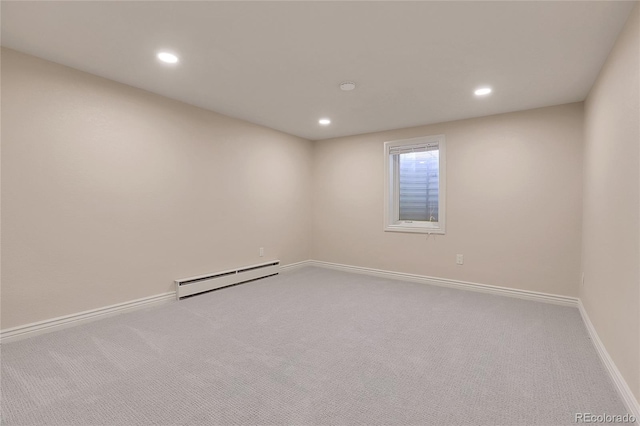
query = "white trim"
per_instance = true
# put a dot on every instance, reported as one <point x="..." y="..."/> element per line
<point x="621" y="385"/>
<point x="444" y="282"/>
<point x="294" y="266"/>
<point x="391" y="209"/>
<point x="53" y="324"/>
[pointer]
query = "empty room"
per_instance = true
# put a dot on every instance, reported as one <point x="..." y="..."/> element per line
<point x="320" y="213"/>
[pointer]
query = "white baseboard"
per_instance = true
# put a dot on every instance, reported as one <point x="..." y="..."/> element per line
<point x="294" y="266"/>
<point x="40" y="327"/>
<point x="444" y="282"/>
<point x="621" y="385"/>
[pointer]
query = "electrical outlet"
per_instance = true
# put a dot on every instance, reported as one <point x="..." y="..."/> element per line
<point x="261" y="251"/>
<point x="459" y="259"/>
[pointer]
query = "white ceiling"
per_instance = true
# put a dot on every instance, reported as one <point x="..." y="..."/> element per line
<point x="279" y="63"/>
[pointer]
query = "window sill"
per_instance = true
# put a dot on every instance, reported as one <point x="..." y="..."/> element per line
<point x="416" y="229"/>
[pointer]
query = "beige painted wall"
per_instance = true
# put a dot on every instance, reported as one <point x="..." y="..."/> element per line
<point x="514" y="202"/>
<point x="109" y="193"/>
<point x="611" y="241"/>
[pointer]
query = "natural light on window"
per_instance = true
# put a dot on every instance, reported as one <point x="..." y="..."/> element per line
<point x="414" y="190"/>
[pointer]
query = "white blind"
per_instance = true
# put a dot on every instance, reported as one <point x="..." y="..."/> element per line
<point x="424" y="147"/>
<point x="418" y="183"/>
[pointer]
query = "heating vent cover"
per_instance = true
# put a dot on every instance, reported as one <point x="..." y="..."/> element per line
<point x="194" y="285"/>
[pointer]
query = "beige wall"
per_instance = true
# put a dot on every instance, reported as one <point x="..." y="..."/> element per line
<point x="611" y="250"/>
<point x="109" y="193"/>
<point x="514" y="202"/>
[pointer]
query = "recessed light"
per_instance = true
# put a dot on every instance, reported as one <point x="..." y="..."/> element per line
<point x="324" y="121"/>
<point x="167" y="57"/>
<point x="347" y="86"/>
<point x="482" y="91"/>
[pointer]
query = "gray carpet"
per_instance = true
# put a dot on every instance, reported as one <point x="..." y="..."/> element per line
<point x="314" y="346"/>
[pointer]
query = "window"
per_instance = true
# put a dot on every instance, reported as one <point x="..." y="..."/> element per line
<point x="415" y="185"/>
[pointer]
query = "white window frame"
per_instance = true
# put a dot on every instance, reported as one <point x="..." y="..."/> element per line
<point x="391" y="196"/>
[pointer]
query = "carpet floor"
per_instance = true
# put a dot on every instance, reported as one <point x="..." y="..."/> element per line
<point x="314" y="346"/>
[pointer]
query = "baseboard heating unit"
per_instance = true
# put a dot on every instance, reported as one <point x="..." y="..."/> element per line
<point x="194" y="285"/>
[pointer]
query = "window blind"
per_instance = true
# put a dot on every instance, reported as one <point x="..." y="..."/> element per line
<point x="418" y="181"/>
<point x="395" y="150"/>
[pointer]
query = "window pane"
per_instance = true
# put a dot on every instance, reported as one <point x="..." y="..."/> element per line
<point x="418" y="180"/>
